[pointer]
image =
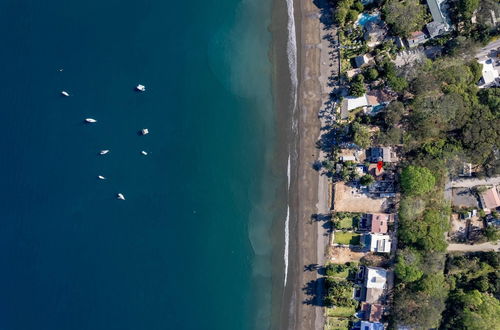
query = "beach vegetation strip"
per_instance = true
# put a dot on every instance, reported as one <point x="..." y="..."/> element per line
<point x="347" y="238"/>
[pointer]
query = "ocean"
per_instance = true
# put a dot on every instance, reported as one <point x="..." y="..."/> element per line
<point x="198" y="242"/>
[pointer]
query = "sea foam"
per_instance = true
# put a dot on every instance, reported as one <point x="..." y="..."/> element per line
<point x="292" y="65"/>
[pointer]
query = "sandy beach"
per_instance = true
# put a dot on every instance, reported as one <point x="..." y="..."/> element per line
<point x="302" y="308"/>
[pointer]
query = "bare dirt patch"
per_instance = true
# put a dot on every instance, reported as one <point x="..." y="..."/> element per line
<point x="349" y="199"/>
<point x="341" y="255"/>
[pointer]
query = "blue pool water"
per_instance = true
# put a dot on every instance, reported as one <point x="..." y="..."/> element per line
<point x="366" y="18"/>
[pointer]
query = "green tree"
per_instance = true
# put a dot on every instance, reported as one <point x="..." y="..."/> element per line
<point x="408" y="265"/>
<point x="357" y="87"/>
<point x="361" y="135"/>
<point x="404" y="16"/>
<point x="417" y="180"/>
<point x="371" y="74"/>
<point x="366" y="180"/>
<point x="466" y="8"/>
<point x="352" y="15"/>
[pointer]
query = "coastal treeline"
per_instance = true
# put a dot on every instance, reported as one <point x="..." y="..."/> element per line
<point x="442" y="121"/>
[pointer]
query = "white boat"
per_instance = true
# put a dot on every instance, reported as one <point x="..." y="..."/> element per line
<point x="103" y="152"/>
<point x="120" y="196"/>
<point x="65" y="93"/>
<point x="140" y="88"/>
<point x="101" y="177"/>
<point x="144" y="131"/>
<point x="90" y="120"/>
<point x="144" y="153"/>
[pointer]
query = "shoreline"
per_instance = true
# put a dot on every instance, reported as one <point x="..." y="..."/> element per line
<point x="309" y="191"/>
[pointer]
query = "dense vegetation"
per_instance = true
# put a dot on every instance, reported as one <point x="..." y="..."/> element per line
<point x="405" y="16"/>
<point x="445" y="121"/>
<point x="475" y="288"/>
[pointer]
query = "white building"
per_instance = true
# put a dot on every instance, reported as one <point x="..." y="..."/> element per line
<point x="379" y="243"/>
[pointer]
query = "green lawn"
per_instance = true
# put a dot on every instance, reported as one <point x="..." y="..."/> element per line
<point x="345" y="223"/>
<point x="346" y="220"/>
<point x="347" y="238"/>
<point x="334" y="323"/>
<point x="340" y="311"/>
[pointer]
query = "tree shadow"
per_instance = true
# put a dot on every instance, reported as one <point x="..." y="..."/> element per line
<point x="326" y="12"/>
<point x="314" y="290"/>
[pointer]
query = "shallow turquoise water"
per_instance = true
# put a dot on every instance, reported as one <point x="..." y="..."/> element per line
<point x="367" y="18"/>
<point x="179" y="252"/>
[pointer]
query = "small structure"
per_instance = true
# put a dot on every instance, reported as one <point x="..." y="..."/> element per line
<point x="372" y="312"/>
<point x="416" y="38"/>
<point x="384" y="154"/>
<point x="360" y="170"/>
<point x="491" y="221"/>
<point x="435" y="29"/>
<point x="347" y="158"/>
<point x="364" y="325"/>
<point x="466" y="169"/>
<point x="398" y="42"/>
<point x="377" y="99"/>
<point x="490" y="199"/>
<point x="490" y="77"/>
<point x="377" y="223"/>
<point x="376" y="171"/>
<point x="350" y="103"/>
<point x="378" y="243"/>
<point x="375" y="33"/>
<point x="440" y="20"/>
<point x="375" y="285"/>
<point x="360" y="61"/>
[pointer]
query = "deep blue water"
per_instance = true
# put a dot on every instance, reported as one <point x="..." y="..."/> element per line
<point x="178" y="253"/>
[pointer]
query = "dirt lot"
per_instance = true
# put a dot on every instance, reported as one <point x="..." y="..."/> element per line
<point x="341" y="255"/>
<point x="347" y="199"/>
<point x="457" y="231"/>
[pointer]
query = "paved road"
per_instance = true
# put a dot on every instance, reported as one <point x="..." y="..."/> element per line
<point x="469" y="183"/>
<point x="473" y="248"/>
<point x="483" y="53"/>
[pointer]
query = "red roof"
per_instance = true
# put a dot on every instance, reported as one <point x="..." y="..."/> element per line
<point x="490" y="198"/>
<point x="379" y="223"/>
<point x="376" y="311"/>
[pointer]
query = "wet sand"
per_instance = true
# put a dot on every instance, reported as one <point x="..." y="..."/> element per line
<point x="309" y="191"/>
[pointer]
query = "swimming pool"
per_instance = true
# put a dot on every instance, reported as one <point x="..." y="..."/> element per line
<point x="365" y="18"/>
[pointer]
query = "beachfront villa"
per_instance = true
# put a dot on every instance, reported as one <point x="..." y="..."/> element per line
<point x="490" y="74"/>
<point x="375" y="285"/>
<point x="441" y="22"/>
<point x="377" y="223"/>
<point x="377" y="243"/>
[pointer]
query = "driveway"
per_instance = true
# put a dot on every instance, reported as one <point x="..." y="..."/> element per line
<point x="470" y="183"/>
<point x="488" y="50"/>
<point x="473" y="248"/>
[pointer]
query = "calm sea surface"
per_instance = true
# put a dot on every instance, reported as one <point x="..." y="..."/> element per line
<point x="190" y="246"/>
